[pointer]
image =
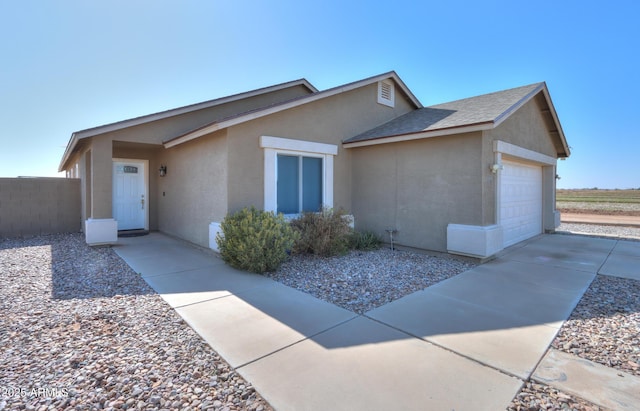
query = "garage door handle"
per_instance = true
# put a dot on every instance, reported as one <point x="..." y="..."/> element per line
<point x="142" y="203"/>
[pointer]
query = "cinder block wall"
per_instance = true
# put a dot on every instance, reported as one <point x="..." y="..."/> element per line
<point x="31" y="206"/>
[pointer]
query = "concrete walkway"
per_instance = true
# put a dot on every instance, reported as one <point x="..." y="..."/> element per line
<point x="467" y="343"/>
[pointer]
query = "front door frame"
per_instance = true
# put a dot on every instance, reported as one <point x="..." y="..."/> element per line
<point x="146" y="185"/>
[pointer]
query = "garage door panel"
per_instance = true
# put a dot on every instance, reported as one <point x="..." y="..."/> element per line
<point x="520" y="201"/>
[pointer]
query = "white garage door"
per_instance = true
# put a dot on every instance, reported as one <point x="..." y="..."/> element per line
<point x="520" y="201"/>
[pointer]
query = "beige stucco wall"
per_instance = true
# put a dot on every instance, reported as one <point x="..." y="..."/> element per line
<point x="86" y="186"/>
<point x="525" y="128"/>
<point x="194" y="192"/>
<point x="101" y="178"/>
<point x="31" y="206"/>
<point x="224" y="171"/>
<point x="329" y="120"/>
<point x="418" y="187"/>
<point x="183" y="203"/>
<point x="83" y="159"/>
<point x="95" y="154"/>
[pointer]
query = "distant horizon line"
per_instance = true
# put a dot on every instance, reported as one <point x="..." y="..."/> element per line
<point x="598" y="188"/>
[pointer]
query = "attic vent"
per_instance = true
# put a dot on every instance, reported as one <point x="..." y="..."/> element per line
<point x="386" y="93"/>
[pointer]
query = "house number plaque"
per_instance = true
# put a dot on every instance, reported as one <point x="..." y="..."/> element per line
<point x="130" y="169"/>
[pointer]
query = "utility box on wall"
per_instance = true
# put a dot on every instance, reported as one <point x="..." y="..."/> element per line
<point x="101" y="231"/>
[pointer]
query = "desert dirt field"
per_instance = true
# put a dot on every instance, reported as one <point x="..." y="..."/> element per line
<point x="598" y="201"/>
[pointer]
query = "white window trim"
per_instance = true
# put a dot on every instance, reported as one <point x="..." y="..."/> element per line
<point x="276" y="145"/>
<point x="298" y="145"/>
<point x="384" y="101"/>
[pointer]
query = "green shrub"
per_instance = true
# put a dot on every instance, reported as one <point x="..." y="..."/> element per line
<point x="255" y="240"/>
<point x="364" y="240"/>
<point x="325" y="233"/>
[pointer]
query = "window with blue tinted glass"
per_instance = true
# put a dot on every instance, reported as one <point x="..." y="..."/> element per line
<point x="299" y="184"/>
<point x="311" y="183"/>
<point x="288" y="184"/>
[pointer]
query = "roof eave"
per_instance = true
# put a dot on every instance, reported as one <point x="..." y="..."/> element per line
<point x="542" y="87"/>
<point x="556" y="120"/>
<point x="404" y="88"/>
<point x="189" y="108"/>
<point x="470" y="128"/>
<point x="524" y="100"/>
<point x="94" y="131"/>
<point x="73" y="141"/>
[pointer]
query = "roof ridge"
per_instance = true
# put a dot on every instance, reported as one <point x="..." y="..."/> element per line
<point x="486" y="94"/>
<point x="311" y="97"/>
<point x="329" y="90"/>
<point x="210" y="103"/>
<point x="484" y="110"/>
<point x="506" y="113"/>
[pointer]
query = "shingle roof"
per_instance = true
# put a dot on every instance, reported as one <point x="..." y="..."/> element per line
<point x="487" y="108"/>
<point x="94" y="131"/>
<point x="260" y="112"/>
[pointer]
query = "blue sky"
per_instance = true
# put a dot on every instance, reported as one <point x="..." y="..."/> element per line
<point x="70" y="65"/>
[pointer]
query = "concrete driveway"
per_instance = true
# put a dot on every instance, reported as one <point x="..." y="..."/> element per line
<point x="467" y="343"/>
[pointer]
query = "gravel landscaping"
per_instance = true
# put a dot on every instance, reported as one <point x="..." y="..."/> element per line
<point x="605" y="325"/>
<point x="363" y="280"/>
<point x="80" y="330"/>
<point x="601" y="230"/>
<point x="540" y="397"/>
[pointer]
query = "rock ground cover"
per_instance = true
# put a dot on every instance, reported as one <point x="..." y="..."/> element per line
<point x="79" y="319"/>
<point x="605" y="325"/>
<point x="600" y="230"/>
<point x="363" y="280"/>
<point x="80" y="330"/>
<point x="540" y="397"/>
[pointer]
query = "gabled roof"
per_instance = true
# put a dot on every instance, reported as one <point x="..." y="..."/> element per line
<point x="254" y="114"/>
<point x="94" y="131"/>
<point x="470" y="114"/>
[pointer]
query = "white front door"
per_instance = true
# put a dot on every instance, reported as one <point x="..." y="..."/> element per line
<point x="129" y="194"/>
<point x="520" y="201"/>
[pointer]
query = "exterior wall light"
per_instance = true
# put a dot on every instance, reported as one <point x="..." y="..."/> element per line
<point x="496" y="167"/>
<point x="163" y="170"/>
